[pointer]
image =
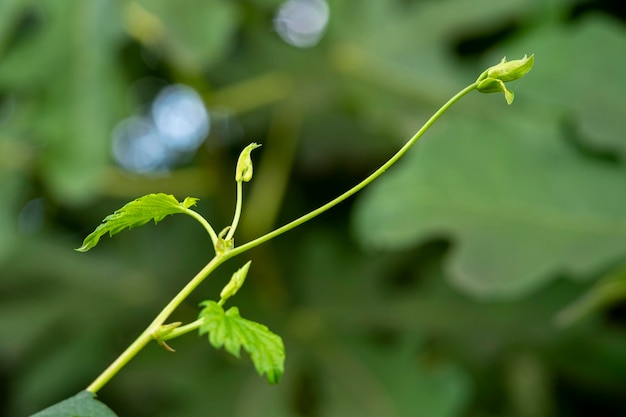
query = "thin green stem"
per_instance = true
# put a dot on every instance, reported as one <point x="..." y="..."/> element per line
<point x="182" y="330"/>
<point x="237" y="215"/>
<point x="204" y="223"/>
<point x="148" y="334"/>
<point x="130" y="352"/>
<point x="297" y="222"/>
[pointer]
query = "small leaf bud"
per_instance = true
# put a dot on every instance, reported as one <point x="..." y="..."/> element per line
<point x="511" y="70"/>
<point x="493" y="78"/>
<point x="492" y="85"/>
<point x="236" y="281"/>
<point x="223" y="245"/>
<point x="243" y="171"/>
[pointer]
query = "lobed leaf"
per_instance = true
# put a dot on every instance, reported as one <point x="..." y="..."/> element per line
<point x="521" y="206"/>
<point x="232" y="331"/>
<point x="83" y="404"/>
<point x="137" y="213"/>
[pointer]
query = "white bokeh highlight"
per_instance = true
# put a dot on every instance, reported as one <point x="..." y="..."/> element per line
<point x="302" y="23"/>
<point x="177" y="124"/>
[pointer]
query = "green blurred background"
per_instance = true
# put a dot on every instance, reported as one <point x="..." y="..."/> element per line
<point x="482" y="276"/>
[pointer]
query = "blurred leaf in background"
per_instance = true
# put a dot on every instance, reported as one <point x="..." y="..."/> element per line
<point x="435" y="293"/>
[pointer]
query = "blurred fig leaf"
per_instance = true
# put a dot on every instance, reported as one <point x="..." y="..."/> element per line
<point x="519" y="204"/>
<point x="137" y="213"/>
<point x="232" y="331"/>
<point x="83" y="404"/>
<point x="65" y="64"/>
<point x="193" y="35"/>
<point x="579" y="88"/>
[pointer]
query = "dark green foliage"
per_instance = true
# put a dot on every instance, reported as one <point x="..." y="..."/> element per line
<point x="83" y="404"/>
<point x="437" y="311"/>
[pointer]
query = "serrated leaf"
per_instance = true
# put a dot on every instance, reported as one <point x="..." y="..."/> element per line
<point x="83" y="404"/>
<point x="137" y="213"/>
<point x="232" y="331"/>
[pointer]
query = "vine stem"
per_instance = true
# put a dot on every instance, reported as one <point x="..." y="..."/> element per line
<point x="237" y="215"/>
<point x="204" y="223"/>
<point x="149" y="333"/>
<point x="297" y="222"/>
<point x="181" y="330"/>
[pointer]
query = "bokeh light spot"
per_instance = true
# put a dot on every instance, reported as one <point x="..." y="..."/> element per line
<point x="177" y="125"/>
<point x="180" y="117"/>
<point x="302" y="23"/>
<point x="138" y="147"/>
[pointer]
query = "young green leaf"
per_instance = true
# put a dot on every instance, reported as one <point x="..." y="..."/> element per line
<point x="232" y="331"/>
<point x="83" y="404"/>
<point x="235" y="283"/>
<point x="137" y="213"/>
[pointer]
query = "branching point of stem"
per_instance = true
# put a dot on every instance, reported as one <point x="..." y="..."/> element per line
<point x="148" y="334"/>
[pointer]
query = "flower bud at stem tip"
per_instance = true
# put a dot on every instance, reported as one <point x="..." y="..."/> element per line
<point x="493" y="78"/>
<point x="243" y="171"/>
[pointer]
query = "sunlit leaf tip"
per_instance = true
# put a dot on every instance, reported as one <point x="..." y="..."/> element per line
<point x="137" y="213"/>
<point x="189" y="202"/>
<point x="230" y="330"/>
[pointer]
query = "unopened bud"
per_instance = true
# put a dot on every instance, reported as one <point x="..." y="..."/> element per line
<point x="493" y="78"/>
<point x="511" y="70"/>
<point x="493" y="85"/>
<point x="236" y="281"/>
<point x="244" y="164"/>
